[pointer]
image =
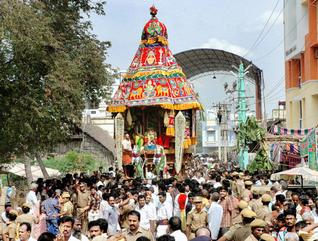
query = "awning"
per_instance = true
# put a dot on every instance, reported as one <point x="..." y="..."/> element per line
<point x="19" y="170"/>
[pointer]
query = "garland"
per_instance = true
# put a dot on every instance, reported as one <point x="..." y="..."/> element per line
<point x="119" y="134"/>
<point x="291" y="132"/>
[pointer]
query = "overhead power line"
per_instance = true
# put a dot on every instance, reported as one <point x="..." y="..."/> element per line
<point x="263" y="29"/>
<point x="282" y="40"/>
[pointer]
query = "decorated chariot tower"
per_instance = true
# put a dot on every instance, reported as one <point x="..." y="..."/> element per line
<point x="155" y="104"/>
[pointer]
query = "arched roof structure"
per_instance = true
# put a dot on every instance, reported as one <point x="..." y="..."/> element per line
<point x="199" y="61"/>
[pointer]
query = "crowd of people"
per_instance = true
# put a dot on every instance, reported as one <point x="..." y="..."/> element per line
<point x="213" y="205"/>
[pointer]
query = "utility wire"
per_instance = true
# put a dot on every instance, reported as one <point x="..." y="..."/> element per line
<point x="270" y="28"/>
<point x="282" y="41"/>
<point x="275" y="92"/>
<point x="275" y="85"/>
<point x="262" y="31"/>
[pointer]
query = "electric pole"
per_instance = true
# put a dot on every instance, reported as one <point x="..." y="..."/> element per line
<point x="242" y="109"/>
<point x="223" y="131"/>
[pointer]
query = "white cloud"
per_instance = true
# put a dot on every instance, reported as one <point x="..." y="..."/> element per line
<point x="224" y="45"/>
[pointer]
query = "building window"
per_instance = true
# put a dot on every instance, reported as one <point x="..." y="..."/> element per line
<point x="211" y="136"/>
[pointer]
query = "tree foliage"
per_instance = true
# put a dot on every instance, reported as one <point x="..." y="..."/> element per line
<point x="251" y="135"/>
<point x="51" y="64"/>
<point x="73" y="162"/>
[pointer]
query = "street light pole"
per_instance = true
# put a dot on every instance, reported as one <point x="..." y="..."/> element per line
<point x="243" y="154"/>
<point x="225" y="127"/>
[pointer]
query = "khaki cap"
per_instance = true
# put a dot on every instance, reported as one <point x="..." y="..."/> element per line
<point x="267" y="237"/>
<point x="255" y="191"/>
<point x="258" y="223"/>
<point x="197" y="199"/>
<point x="248" y="183"/>
<point x="248" y="213"/>
<point x="242" y="204"/>
<point x="235" y="174"/>
<point x="266" y="198"/>
<point x="14" y="212"/>
<point x="26" y="205"/>
<point x="66" y="195"/>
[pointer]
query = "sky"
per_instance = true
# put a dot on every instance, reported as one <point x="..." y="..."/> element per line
<point x="245" y="27"/>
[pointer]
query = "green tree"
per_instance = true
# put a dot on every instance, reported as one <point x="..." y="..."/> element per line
<point x="251" y="135"/>
<point x="73" y="162"/>
<point x="50" y="65"/>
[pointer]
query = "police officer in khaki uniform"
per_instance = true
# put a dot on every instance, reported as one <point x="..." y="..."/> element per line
<point x="240" y="185"/>
<point x="264" y="212"/>
<point x="238" y="218"/>
<point x="247" y="194"/>
<point x="67" y="206"/>
<point x="267" y="237"/>
<point x="247" y="217"/>
<point x="256" y="202"/>
<point x="10" y="231"/>
<point x="245" y="230"/>
<point x="83" y="204"/>
<point x="197" y="218"/>
<point x="26" y="216"/>
<point x="257" y="229"/>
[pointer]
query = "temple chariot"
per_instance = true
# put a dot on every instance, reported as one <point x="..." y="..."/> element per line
<point x="156" y="105"/>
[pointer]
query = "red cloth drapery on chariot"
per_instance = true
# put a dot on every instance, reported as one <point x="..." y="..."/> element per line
<point x="154" y="78"/>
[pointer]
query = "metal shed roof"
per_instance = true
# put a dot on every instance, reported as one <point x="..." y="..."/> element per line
<point x="198" y="61"/>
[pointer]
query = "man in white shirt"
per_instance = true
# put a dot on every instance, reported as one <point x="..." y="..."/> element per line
<point x="217" y="183"/>
<point x="112" y="216"/>
<point x="150" y="204"/>
<point x="25" y="232"/>
<point x="77" y="230"/>
<point x="104" y="205"/>
<point x="198" y="177"/>
<point x="164" y="213"/>
<point x="215" y="215"/>
<point x="175" y="229"/>
<point x="154" y="200"/>
<point x="147" y="219"/>
<point x="31" y="197"/>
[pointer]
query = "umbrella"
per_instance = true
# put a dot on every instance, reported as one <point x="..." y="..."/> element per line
<point x="308" y="175"/>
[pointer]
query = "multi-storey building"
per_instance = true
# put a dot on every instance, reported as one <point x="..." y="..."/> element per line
<point x="301" y="65"/>
<point x="212" y="136"/>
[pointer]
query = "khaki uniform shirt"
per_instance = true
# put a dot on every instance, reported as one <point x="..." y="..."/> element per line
<point x="242" y="233"/>
<point x="83" y="199"/>
<point x="250" y="238"/>
<point x="140" y="232"/>
<point x="26" y="217"/>
<point x="197" y="219"/>
<point x="10" y="231"/>
<point x="247" y="195"/>
<point x="240" y="187"/>
<point x="237" y="219"/>
<point x="229" y="234"/>
<point x="67" y="209"/>
<point x="255" y="204"/>
<point x="263" y="212"/>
